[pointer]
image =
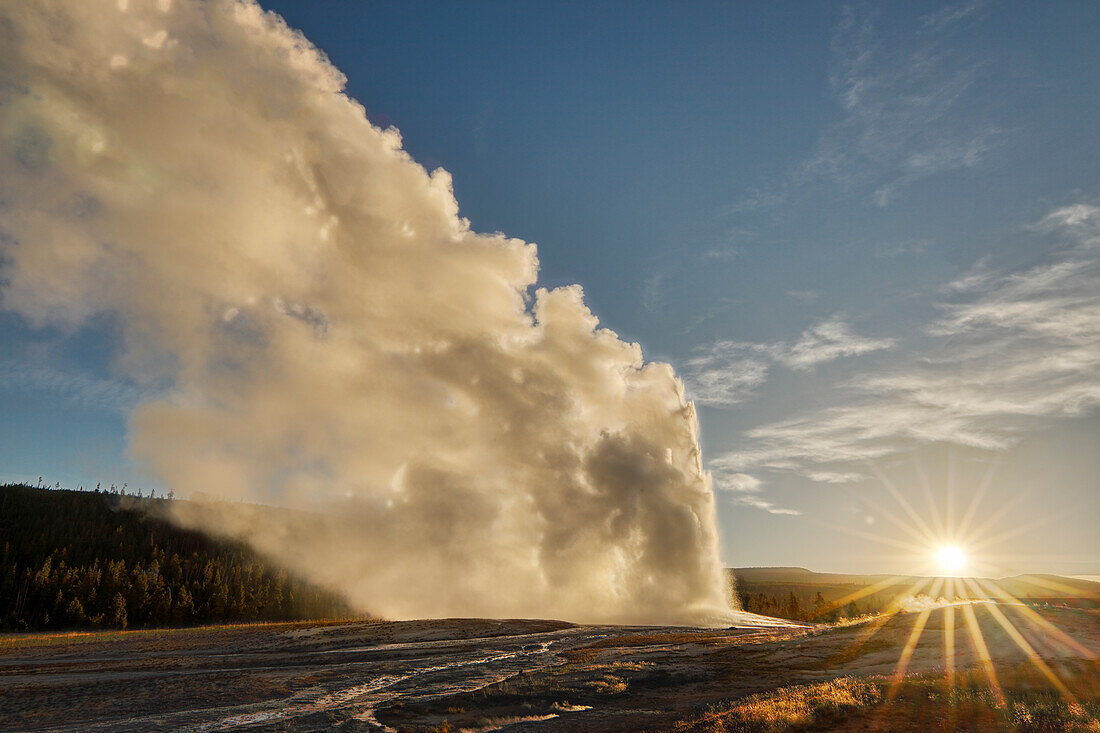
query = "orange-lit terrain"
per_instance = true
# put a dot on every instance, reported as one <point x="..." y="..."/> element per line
<point x="983" y="666"/>
<point x="498" y="366"/>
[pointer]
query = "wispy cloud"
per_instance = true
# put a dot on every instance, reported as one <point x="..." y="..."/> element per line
<point x="766" y="505"/>
<point x="651" y="292"/>
<point x="721" y="253"/>
<point x="828" y="340"/>
<point x="903" y="103"/>
<point x="1010" y="350"/>
<point x="726" y="373"/>
<point x="741" y="483"/>
<point x="902" y="248"/>
<point x="901" y="100"/>
<point x="834" y="477"/>
<point x="76" y="387"/>
<point x="949" y="16"/>
<point x="745" y="490"/>
<point x="757" y="198"/>
<point x="863" y="430"/>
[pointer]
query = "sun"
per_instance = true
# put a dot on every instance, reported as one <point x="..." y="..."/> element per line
<point x="952" y="559"/>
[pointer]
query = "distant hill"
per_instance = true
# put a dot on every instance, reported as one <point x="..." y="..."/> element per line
<point x="803" y="595"/>
<point x="72" y="559"/>
<point x="802" y="575"/>
<point x="1049" y="587"/>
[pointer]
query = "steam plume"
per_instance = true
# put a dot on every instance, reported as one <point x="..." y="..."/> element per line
<point x="323" y="330"/>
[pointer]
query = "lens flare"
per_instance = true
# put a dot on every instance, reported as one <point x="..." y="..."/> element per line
<point x="961" y="549"/>
<point x="952" y="559"/>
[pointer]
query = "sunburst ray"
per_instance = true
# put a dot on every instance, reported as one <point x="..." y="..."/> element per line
<point x="929" y="500"/>
<point x="925" y="532"/>
<point x="980" y="647"/>
<point x="870" y="630"/>
<point x="992" y="587"/>
<point x="949" y="645"/>
<point x="1029" y="651"/>
<point x="976" y="500"/>
<point x="907" y="652"/>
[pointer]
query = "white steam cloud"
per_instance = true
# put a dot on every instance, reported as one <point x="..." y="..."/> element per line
<point x="323" y="330"/>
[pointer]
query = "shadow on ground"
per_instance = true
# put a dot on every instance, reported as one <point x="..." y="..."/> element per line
<point x="978" y="667"/>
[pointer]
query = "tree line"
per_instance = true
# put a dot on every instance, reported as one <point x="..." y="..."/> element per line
<point x="808" y="607"/>
<point x="89" y="559"/>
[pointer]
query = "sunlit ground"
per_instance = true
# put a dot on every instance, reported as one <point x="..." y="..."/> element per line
<point x="953" y="558"/>
<point x="948" y="667"/>
<point x="953" y="650"/>
<point x="919" y="703"/>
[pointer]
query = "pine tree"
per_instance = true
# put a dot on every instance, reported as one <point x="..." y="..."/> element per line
<point x="792" y="609"/>
<point x="182" y="609"/>
<point x="116" y="613"/>
<point x="126" y="566"/>
<point x="74" y="612"/>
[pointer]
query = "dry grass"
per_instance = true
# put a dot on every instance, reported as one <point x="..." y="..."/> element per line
<point x="788" y="707"/>
<point x="924" y="703"/>
<point x="31" y="640"/>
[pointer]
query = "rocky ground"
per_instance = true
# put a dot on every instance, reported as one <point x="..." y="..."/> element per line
<point x="520" y="675"/>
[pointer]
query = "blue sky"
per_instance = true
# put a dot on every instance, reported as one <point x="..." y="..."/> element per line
<point x="851" y="228"/>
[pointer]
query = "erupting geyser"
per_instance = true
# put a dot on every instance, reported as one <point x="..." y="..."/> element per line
<point x="318" y="327"/>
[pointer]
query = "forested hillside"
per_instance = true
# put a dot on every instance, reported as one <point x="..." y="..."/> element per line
<point x="802" y="595"/>
<point x="90" y="559"/>
<point x="809" y="599"/>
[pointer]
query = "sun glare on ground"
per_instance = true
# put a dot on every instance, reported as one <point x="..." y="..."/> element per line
<point x="958" y="546"/>
<point x="952" y="559"/>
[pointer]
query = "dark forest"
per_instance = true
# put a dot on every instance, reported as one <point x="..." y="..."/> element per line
<point x="88" y="559"/>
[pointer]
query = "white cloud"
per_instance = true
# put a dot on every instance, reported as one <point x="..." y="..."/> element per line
<point x="767" y="506"/>
<point x="1084" y="218"/>
<point x="833" y="477"/>
<point x="1010" y="350"/>
<point x="739" y="482"/>
<point x="828" y="340"/>
<point x="745" y="490"/>
<point x="727" y="373"/>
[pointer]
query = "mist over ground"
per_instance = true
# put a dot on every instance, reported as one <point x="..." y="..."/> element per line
<point x="314" y="325"/>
